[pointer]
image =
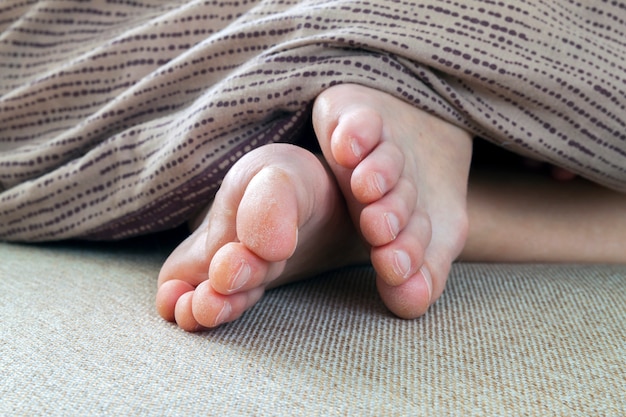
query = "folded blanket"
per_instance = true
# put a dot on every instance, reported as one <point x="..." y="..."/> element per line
<point x="121" y="118"/>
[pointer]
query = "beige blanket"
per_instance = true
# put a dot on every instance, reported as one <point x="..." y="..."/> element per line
<point x="121" y="118"/>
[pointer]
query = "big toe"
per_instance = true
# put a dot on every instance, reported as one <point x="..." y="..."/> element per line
<point x="267" y="217"/>
<point x="347" y="128"/>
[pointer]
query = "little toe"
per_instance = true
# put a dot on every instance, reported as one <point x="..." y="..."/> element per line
<point x="167" y="297"/>
<point x="425" y="283"/>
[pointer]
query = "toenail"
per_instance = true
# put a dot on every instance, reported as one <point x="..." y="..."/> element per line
<point x="429" y="282"/>
<point x="224" y="313"/>
<point x="402" y="263"/>
<point x="241" y="277"/>
<point x="379" y="183"/>
<point x="393" y="224"/>
<point x="356" y="148"/>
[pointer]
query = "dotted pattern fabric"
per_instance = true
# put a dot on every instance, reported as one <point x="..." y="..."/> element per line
<point x="121" y="118"/>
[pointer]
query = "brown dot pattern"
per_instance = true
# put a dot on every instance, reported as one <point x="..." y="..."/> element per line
<point x="120" y="118"/>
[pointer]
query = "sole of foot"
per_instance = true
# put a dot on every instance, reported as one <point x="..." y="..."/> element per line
<point x="278" y="217"/>
<point x="403" y="173"/>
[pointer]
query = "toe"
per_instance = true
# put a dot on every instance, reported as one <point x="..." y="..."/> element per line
<point x="403" y="257"/>
<point x="167" y="297"/>
<point x="184" y="314"/>
<point x="235" y="268"/>
<point x="377" y="174"/>
<point x="412" y="298"/>
<point x="347" y="130"/>
<point x="210" y="309"/>
<point x="267" y="218"/>
<point x="381" y="222"/>
<point x="357" y="133"/>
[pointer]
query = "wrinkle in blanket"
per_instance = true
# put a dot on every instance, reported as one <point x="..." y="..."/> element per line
<point x="121" y="118"/>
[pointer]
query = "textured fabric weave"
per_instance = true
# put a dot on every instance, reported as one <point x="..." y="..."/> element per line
<point x="120" y="118"/>
<point x="80" y="336"/>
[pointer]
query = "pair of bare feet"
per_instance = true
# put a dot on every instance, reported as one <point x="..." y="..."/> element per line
<point x="392" y="177"/>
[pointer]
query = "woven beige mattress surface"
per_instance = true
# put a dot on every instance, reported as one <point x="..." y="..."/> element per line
<point x="80" y="336"/>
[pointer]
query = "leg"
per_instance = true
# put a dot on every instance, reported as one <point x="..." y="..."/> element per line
<point x="526" y="217"/>
<point x="277" y="217"/>
<point x="404" y="174"/>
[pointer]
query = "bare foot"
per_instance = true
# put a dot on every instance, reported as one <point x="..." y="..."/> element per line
<point x="277" y="217"/>
<point x="404" y="175"/>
